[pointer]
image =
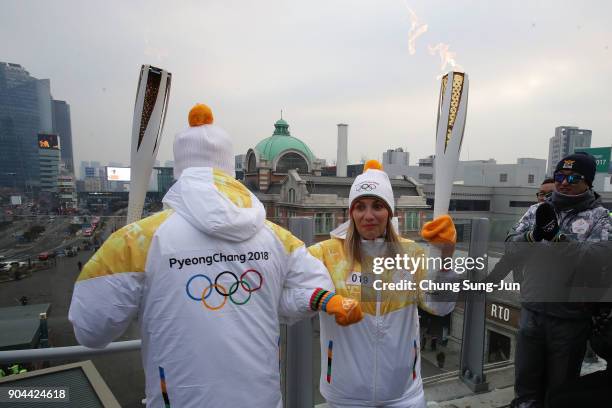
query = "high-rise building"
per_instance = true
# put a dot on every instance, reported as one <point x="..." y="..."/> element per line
<point x="567" y="140"/>
<point x="22" y="112"/>
<point x="27" y="109"/>
<point x="63" y="128"/>
<point x="48" y="161"/>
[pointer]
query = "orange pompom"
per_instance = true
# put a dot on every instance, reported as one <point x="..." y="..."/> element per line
<point x="200" y="115"/>
<point x="372" y="164"/>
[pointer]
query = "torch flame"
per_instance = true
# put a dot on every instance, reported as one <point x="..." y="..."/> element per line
<point x="416" y="30"/>
<point x="446" y="57"/>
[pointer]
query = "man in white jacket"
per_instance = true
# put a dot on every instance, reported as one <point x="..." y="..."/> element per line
<point x="207" y="281"/>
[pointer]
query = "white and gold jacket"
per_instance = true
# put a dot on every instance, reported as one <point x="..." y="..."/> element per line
<point x="207" y="282"/>
<point x="375" y="362"/>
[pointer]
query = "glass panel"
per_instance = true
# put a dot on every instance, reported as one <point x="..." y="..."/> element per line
<point x="292" y="161"/>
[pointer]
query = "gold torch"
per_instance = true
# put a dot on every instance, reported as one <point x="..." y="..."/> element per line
<point x="452" y="109"/>
<point x="150" y="109"/>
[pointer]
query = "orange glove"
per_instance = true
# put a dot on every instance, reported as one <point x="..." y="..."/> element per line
<point x="346" y="310"/>
<point x="440" y="231"/>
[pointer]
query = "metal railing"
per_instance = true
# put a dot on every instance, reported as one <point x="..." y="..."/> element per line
<point x="66" y="353"/>
<point x="298" y="356"/>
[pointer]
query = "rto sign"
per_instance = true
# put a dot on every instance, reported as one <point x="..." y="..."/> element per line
<point x="500" y="312"/>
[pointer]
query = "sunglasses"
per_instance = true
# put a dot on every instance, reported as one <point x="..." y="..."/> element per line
<point x="571" y="178"/>
<point x="543" y="194"/>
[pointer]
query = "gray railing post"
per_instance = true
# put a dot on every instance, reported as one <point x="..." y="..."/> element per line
<point x="472" y="346"/>
<point x="298" y="382"/>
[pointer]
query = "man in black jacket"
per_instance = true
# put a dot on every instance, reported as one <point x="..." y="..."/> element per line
<point x="562" y="243"/>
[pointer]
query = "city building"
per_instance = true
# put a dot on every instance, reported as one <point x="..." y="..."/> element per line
<point x="239" y="166"/>
<point x="67" y="191"/>
<point x="526" y="172"/>
<point x="107" y="179"/>
<point x="63" y="128"/>
<point x="271" y="159"/>
<point x="396" y="162"/>
<point x="503" y="206"/>
<point x="283" y="172"/>
<point x="48" y="161"/>
<point x="565" y="142"/>
<point x="325" y="199"/>
<point x="352" y="170"/>
<point x="93" y="184"/>
<point x="26" y="110"/>
<point x="603" y="174"/>
<point x="20" y="122"/>
<point x="93" y="169"/>
<point x="84" y="171"/>
<point x="162" y="178"/>
<point x="93" y="175"/>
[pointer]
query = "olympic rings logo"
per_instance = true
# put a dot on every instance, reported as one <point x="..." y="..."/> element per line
<point x="241" y="283"/>
<point x="366" y="186"/>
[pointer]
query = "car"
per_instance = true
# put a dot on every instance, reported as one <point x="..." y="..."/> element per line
<point x="70" y="252"/>
<point x="6" y="266"/>
<point x="60" y="253"/>
<point x="43" y="256"/>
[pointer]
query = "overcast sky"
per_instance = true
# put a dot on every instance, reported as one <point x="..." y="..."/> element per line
<point x="532" y="66"/>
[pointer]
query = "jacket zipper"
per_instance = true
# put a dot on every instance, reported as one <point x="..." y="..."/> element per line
<point x="378" y="301"/>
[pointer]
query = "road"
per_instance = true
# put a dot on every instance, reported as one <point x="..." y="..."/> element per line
<point x="122" y="372"/>
<point x="52" y="238"/>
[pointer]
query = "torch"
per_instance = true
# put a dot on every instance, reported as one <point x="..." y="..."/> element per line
<point x="149" y="115"/>
<point x="452" y="108"/>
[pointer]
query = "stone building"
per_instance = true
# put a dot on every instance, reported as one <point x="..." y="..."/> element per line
<point x="284" y="173"/>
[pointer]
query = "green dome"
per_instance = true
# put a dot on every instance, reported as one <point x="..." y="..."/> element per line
<point x="281" y="140"/>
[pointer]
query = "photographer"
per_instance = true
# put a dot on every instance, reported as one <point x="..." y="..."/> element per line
<point x="552" y="334"/>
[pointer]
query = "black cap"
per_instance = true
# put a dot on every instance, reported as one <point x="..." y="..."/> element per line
<point x="580" y="162"/>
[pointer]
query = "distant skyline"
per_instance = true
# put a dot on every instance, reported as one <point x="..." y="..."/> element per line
<point x="532" y="66"/>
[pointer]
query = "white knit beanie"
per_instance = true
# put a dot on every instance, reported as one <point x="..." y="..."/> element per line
<point x="203" y="144"/>
<point x="373" y="182"/>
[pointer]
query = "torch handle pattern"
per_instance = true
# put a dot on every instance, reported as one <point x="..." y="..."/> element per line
<point x="152" y="97"/>
<point x="452" y="110"/>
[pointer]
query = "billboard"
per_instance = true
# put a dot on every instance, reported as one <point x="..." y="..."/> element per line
<point x="15" y="200"/>
<point x="118" y="173"/>
<point x="48" y="141"/>
<point x="602" y="157"/>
